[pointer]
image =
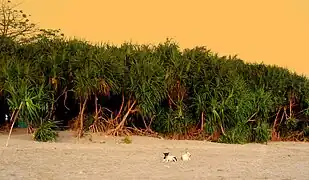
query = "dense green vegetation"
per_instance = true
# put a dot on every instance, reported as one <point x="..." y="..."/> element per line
<point x="178" y="92"/>
<point x="132" y="88"/>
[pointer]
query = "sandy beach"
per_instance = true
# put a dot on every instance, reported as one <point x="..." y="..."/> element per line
<point x="101" y="157"/>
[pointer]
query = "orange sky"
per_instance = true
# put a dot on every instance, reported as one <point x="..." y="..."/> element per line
<point x="272" y="31"/>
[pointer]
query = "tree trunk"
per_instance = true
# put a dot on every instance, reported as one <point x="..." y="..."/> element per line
<point x="96" y="110"/>
<point x="202" y="121"/>
<point x="81" y="118"/>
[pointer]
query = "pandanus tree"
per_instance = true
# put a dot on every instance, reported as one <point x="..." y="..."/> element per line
<point x="144" y="83"/>
<point x="199" y="81"/>
<point x="84" y="87"/>
<point x="212" y="90"/>
<point x="177" y="71"/>
<point x="95" y="74"/>
<point x="85" y="82"/>
<point x="25" y="93"/>
<point x="171" y="90"/>
<point x="47" y="60"/>
<point x="108" y="72"/>
<point x="55" y="67"/>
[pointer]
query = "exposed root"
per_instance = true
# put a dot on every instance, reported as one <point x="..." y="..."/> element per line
<point x="148" y="127"/>
<point x="214" y="137"/>
<point x="298" y="136"/>
<point x="120" y="127"/>
<point x="30" y="129"/>
<point x="97" y="126"/>
<point x="73" y="124"/>
<point x="101" y="122"/>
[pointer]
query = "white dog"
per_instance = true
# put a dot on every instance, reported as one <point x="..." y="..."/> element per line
<point x="169" y="158"/>
<point x="186" y="156"/>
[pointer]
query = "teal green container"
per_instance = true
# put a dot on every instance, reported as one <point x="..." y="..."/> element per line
<point x="22" y="124"/>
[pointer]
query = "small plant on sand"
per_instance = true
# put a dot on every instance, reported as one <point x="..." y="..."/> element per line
<point x="126" y="140"/>
<point x="46" y="132"/>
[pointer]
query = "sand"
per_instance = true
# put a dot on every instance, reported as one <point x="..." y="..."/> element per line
<point x="108" y="158"/>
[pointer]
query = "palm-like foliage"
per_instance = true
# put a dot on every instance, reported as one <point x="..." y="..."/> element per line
<point x="97" y="74"/>
<point x="22" y="86"/>
<point x="177" y="92"/>
<point x="146" y="80"/>
<point x="177" y="82"/>
<point x="173" y="90"/>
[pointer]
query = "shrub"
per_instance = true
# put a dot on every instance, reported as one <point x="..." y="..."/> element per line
<point x="46" y="132"/>
<point x="126" y="140"/>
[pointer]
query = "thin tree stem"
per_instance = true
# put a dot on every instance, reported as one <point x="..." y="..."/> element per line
<point x="14" y="119"/>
